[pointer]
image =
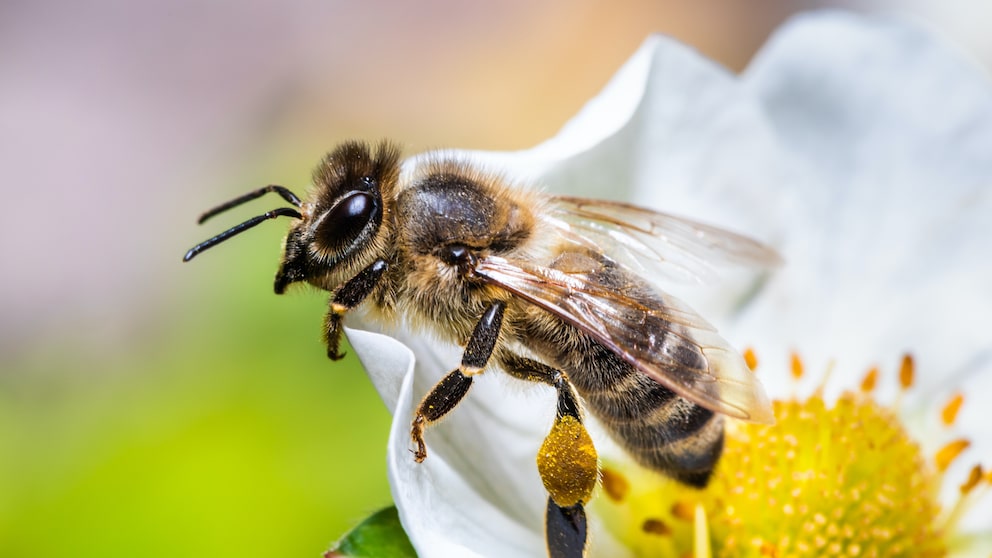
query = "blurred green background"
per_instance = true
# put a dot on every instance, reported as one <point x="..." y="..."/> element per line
<point x="159" y="409"/>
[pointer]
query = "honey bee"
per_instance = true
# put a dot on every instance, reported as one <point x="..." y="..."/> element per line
<point x="548" y="289"/>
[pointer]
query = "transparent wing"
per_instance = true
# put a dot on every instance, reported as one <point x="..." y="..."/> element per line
<point x="651" y="243"/>
<point x="658" y="335"/>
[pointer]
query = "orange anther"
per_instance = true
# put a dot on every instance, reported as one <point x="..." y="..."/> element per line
<point x="950" y="411"/>
<point x="654" y="526"/>
<point x="949" y="453"/>
<point x="871" y="378"/>
<point x="614" y="484"/>
<point x="974" y="477"/>
<point x="907" y="371"/>
<point x="797" y="366"/>
<point x="683" y="510"/>
<point x="750" y="358"/>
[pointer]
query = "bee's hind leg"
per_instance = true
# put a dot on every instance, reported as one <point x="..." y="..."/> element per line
<point x="567" y="462"/>
<point x="565" y="530"/>
<point x="447" y="393"/>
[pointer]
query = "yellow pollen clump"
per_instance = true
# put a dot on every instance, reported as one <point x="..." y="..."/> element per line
<point x="833" y="480"/>
<point x="567" y="462"/>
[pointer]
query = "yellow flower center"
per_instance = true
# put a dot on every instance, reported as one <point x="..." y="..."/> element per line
<point x="841" y="479"/>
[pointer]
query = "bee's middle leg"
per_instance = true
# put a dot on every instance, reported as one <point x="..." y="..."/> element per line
<point x="567" y="461"/>
<point x="447" y="393"/>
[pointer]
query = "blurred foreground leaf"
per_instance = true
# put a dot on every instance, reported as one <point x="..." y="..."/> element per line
<point x="379" y="536"/>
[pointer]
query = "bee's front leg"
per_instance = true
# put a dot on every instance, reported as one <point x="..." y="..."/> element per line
<point x="447" y="393"/>
<point x="347" y="296"/>
<point x="567" y="462"/>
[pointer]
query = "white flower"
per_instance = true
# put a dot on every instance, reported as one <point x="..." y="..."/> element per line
<point x="861" y="148"/>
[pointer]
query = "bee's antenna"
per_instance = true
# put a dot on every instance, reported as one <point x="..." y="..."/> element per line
<point x="284" y="192"/>
<point x="238" y="229"/>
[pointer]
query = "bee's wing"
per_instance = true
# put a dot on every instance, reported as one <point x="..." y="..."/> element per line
<point x="667" y="341"/>
<point x="652" y="243"/>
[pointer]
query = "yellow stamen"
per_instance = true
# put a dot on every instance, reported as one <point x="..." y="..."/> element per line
<point x="840" y="479"/>
<point x="966" y="499"/>
<point x="701" y="535"/>
<point x="950" y="411"/>
<point x="947" y="454"/>
<point x="826" y="378"/>
<point x="768" y="549"/>
<point x="825" y="480"/>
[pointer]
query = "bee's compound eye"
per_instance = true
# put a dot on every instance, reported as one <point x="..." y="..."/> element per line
<point x="348" y="218"/>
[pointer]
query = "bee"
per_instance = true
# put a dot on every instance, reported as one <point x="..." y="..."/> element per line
<point x="548" y="289"/>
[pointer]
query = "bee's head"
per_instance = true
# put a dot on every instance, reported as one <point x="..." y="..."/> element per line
<point x="340" y="228"/>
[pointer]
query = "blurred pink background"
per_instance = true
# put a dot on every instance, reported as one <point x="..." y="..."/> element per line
<point x="120" y="121"/>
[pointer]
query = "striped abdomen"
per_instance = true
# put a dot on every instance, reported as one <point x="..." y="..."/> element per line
<point x="661" y="430"/>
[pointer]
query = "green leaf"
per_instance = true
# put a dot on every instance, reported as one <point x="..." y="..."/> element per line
<point x="379" y="536"/>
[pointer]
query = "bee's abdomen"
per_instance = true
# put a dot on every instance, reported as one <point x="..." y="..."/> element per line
<point x="661" y="430"/>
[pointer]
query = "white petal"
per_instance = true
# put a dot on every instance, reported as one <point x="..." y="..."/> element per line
<point x="473" y="495"/>
<point x="889" y="249"/>
<point x="698" y="145"/>
<point x="387" y="362"/>
<point x="480" y="472"/>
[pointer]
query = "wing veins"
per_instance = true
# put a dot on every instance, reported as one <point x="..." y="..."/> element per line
<point x="599" y="312"/>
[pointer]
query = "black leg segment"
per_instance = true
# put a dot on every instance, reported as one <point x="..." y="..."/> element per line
<point x="536" y="371"/>
<point x="567" y="462"/>
<point x="443" y="397"/>
<point x="447" y="393"/>
<point x="483" y="341"/>
<point x="565" y="530"/>
<point x="345" y="298"/>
